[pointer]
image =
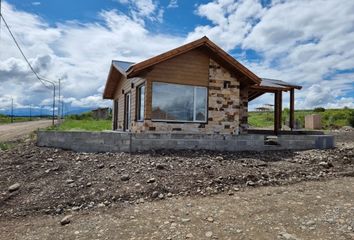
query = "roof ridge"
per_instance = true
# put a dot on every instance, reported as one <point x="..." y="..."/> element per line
<point x="138" y="67"/>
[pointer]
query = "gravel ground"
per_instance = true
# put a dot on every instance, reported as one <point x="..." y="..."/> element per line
<point x="56" y="182"/>
<point x="18" y="130"/>
<point x="307" y="210"/>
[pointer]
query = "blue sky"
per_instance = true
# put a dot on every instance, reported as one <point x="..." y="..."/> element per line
<point x="294" y="40"/>
<point x="177" y="20"/>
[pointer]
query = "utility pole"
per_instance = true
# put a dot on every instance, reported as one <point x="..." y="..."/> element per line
<point x="59" y="103"/>
<point x="62" y="109"/>
<point x="53" y="84"/>
<point x="12" y="104"/>
<point x="30" y="113"/>
<point x="40" y="113"/>
<point x="0" y="17"/>
<point x="53" y="104"/>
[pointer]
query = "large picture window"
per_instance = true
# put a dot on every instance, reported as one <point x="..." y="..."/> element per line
<point x="141" y="102"/>
<point x="175" y="102"/>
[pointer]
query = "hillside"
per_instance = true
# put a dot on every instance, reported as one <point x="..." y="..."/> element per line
<point x="331" y="118"/>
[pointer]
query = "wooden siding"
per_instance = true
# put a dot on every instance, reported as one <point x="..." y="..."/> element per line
<point x="191" y="68"/>
<point x="125" y="84"/>
<point x="213" y="50"/>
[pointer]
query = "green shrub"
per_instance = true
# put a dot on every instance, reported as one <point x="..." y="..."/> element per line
<point x="6" y="146"/>
<point x="351" y="118"/>
<point x="82" y="116"/>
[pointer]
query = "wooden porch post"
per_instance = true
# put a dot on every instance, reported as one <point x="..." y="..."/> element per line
<point x="292" y="109"/>
<point x="277" y="111"/>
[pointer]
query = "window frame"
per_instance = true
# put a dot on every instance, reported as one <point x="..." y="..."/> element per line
<point x="138" y="103"/>
<point x="127" y="124"/>
<point x="195" y="87"/>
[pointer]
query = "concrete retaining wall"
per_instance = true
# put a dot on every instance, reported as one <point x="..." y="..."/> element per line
<point x="137" y="142"/>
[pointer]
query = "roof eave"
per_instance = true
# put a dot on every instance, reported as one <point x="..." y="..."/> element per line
<point x="244" y="70"/>
<point x="105" y="91"/>
<point x="110" y="81"/>
<point x="136" y="68"/>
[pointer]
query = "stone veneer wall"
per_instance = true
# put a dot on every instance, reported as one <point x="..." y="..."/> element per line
<point x="223" y="108"/>
<point x="244" y="110"/>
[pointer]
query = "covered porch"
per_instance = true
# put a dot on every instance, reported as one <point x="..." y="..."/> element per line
<point x="277" y="87"/>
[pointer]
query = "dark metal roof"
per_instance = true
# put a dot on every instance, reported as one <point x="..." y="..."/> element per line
<point x="123" y="66"/>
<point x="270" y="85"/>
<point x="274" y="83"/>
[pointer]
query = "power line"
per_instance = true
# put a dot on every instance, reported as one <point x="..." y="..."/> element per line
<point x="41" y="79"/>
<point x="0" y="19"/>
<point x="23" y="55"/>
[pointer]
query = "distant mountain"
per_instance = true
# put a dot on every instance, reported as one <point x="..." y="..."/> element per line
<point x="25" y="112"/>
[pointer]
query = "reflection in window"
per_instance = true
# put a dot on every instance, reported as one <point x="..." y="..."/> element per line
<point x="174" y="102"/>
<point x="141" y="102"/>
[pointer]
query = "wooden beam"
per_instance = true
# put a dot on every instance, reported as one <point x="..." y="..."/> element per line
<point x="255" y="96"/>
<point x="272" y="89"/>
<point x="292" y="109"/>
<point x="277" y="111"/>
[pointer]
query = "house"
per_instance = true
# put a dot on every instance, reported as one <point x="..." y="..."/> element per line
<point x="100" y="113"/>
<point x="195" y="88"/>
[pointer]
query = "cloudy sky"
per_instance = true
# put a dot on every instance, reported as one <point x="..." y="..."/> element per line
<point x="307" y="42"/>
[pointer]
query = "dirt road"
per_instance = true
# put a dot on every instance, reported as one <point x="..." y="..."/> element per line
<point x="9" y="132"/>
<point x="307" y="210"/>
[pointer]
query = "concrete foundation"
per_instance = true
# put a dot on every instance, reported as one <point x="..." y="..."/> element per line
<point x="138" y="142"/>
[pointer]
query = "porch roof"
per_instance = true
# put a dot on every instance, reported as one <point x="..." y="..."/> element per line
<point x="268" y="85"/>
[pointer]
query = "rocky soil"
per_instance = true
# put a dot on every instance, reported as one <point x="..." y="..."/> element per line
<point x="37" y="181"/>
<point x="303" y="211"/>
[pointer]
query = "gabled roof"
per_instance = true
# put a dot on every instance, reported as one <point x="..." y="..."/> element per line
<point x="117" y="71"/>
<point x="204" y="41"/>
<point x="119" y="68"/>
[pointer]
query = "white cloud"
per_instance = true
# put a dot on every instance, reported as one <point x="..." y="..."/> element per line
<point x="36" y="3"/>
<point x="144" y="9"/>
<point x="173" y="4"/>
<point x="298" y="41"/>
<point x="231" y="21"/>
<point x="79" y="53"/>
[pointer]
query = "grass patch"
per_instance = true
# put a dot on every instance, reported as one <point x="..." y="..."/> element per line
<point x="83" y="125"/>
<point x="6" y="145"/>
<point x="261" y="119"/>
<point x="330" y="118"/>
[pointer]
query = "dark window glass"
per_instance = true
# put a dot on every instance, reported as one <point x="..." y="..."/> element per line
<point x="141" y="102"/>
<point x="200" y="106"/>
<point x="174" y="102"/>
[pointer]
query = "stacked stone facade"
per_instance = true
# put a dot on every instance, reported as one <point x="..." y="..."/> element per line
<point x="225" y="108"/>
<point x="224" y="101"/>
<point x="244" y="110"/>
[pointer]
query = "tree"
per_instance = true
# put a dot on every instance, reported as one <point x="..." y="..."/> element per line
<point x="319" y="109"/>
